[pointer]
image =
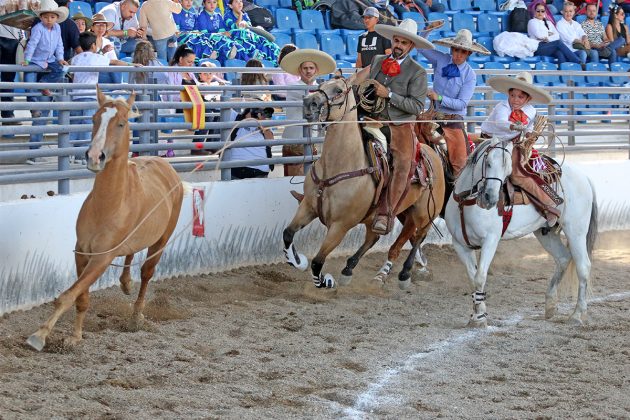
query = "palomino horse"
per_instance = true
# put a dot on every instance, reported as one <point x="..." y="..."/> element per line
<point x="473" y="220"/>
<point x="346" y="191"/>
<point x="134" y="204"/>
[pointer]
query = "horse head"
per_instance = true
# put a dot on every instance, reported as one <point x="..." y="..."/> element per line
<point x="495" y="167"/>
<point x="110" y="132"/>
<point x="330" y="102"/>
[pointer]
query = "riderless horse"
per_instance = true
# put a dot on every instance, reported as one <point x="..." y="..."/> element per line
<point x="340" y="191"/>
<point x="474" y="221"/>
<point x="133" y="205"/>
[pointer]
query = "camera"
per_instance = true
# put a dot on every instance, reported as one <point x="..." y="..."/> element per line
<point x="265" y="112"/>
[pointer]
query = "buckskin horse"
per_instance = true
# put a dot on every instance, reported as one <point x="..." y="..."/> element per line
<point x="473" y="219"/>
<point x="134" y="204"/>
<point x="340" y="191"/>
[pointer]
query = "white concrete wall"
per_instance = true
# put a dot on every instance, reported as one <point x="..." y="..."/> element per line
<point x="244" y="224"/>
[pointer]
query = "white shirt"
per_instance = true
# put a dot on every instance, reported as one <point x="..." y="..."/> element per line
<point x="112" y="13"/>
<point x="249" y="153"/>
<point x="536" y="29"/>
<point x="87" y="59"/>
<point x="569" y="32"/>
<point x="498" y="122"/>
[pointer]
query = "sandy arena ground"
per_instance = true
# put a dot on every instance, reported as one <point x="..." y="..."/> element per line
<point x="262" y="342"/>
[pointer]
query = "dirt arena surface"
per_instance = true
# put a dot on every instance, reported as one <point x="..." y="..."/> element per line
<point x="262" y="342"/>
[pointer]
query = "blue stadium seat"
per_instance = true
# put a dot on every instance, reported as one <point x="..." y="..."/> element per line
<point x="549" y="80"/>
<point x="80" y="6"/>
<point x="327" y="19"/>
<point x="333" y="45"/>
<point x="578" y="80"/>
<point x="287" y="19"/>
<point x="433" y="16"/>
<point x="597" y="80"/>
<point x="286" y="4"/>
<point x="464" y="21"/>
<point x="488" y="24"/>
<point x="231" y="76"/>
<point x="580" y="18"/>
<point x="599" y="109"/>
<point x="604" y="20"/>
<point x="210" y="60"/>
<point x="619" y="68"/>
<point x="414" y="16"/>
<point x="486" y="41"/>
<point x="352" y="41"/>
<point x="477" y="66"/>
<point x="485" y="5"/>
<point x="341" y="64"/>
<point x="306" y="40"/>
<point x="312" y="19"/>
<point x="268" y="64"/>
<point x="520" y="66"/>
<point x="268" y="3"/>
<point x="99" y="5"/>
<point x="457" y="5"/>
<point x="505" y="60"/>
<point x="492" y="65"/>
<point x="282" y="39"/>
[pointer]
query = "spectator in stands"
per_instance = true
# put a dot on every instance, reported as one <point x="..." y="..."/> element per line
<point x="100" y="27"/>
<point x="371" y="43"/>
<point x="69" y="35"/>
<point x="596" y="36"/>
<point x="253" y="152"/>
<point x="346" y="14"/>
<point x="573" y="36"/>
<point x="508" y="120"/>
<point x="307" y="64"/>
<point x="45" y="50"/>
<point x="126" y="31"/>
<point x="156" y="19"/>
<point x="255" y="79"/>
<point x="545" y="32"/>
<point x="454" y="83"/>
<point x="185" y="20"/>
<point x="213" y="41"/>
<point x="144" y="55"/>
<point x="624" y="4"/>
<point x="9" y="40"/>
<point x="237" y="22"/>
<point x="83" y="23"/>
<point x="209" y="78"/>
<point x="88" y="57"/>
<point x="424" y="7"/>
<point x="284" y="79"/>
<point x="617" y="31"/>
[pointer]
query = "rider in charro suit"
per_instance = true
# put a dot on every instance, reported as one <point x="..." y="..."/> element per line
<point x="403" y="83"/>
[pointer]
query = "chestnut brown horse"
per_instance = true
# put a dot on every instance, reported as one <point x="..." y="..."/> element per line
<point x="133" y="205"/>
<point x="348" y="202"/>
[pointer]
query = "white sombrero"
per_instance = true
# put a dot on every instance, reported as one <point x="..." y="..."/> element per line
<point x="408" y="29"/>
<point x="291" y="62"/>
<point x="464" y="41"/>
<point x="522" y="81"/>
<point x="49" y="6"/>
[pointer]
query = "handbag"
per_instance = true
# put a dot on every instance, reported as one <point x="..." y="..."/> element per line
<point x="604" y="52"/>
<point x="579" y="46"/>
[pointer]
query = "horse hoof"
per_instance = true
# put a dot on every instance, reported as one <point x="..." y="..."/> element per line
<point x="36" y="342"/>
<point x="575" y="321"/>
<point x="421" y="258"/>
<point x="481" y="323"/>
<point x="126" y="287"/>
<point x="550" y="312"/>
<point x="296" y="259"/>
<point x="422" y="270"/>
<point x="71" y="341"/>
<point x="135" y="323"/>
<point x="327" y="281"/>
<point x="404" y="284"/>
<point x="344" y="280"/>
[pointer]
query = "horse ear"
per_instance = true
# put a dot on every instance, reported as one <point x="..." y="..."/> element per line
<point x="132" y="98"/>
<point x="100" y="95"/>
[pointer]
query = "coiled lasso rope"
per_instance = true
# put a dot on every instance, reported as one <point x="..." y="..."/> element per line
<point x="368" y="100"/>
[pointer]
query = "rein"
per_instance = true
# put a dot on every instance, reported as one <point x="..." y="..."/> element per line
<point x="329" y="101"/>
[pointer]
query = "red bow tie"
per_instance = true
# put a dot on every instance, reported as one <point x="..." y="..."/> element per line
<point x="390" y="67"/>
<point x="518" y="116"/>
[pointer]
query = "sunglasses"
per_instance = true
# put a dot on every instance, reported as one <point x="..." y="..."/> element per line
<point x="540" y="11"/>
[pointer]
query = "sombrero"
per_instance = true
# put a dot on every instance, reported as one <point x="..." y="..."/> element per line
<point x="292" y="61"/>
<point x="80" y="16"/>
<point x="522" y="81"/>
<point x="408" y="29"/>
<point x="49" y="6"/>
<point x="464" y="41"/>
<point x="100" y="18"/>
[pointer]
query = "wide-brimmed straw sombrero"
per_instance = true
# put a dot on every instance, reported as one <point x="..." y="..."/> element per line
<point x="81" y="16"/>
<point x="100" y="18"/>
<point x="463" y="40"/>
<point x="522" y="81"/>
<point x="49" y="6"/>
<point x="408" y="29"/>
<point x="291" y="62"/>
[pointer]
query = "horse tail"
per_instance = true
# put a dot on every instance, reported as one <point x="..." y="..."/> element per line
<point x="591" y="236"/>
<point x="188" y="188"/>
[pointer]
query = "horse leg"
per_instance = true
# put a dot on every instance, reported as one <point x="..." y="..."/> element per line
<point x="580" y="255"/>
<point x="404" y="277"/>
<point x="146" y="273"/>
<point x="82" y="304"/>
<point x="408" y="230"/>
<point x="553" y="245"/>
<point x="303" y="217"/>
<point x="346" y="274"/>
<point x="91" y="272"/>
<point x="125" y="277"/>
<point x="479" y="318"/>
<point x="335" y="234"/>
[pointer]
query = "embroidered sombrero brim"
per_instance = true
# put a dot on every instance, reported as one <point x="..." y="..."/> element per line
<point x="390" y="32"/>
<point x="473" y="46"/>
<point x="503" y="84"/>
<point x="292" y="61"/>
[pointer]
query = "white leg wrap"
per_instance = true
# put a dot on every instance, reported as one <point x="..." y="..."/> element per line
<point x="295" y="259"/>
<point x="386" y="268"/>
<point x="326" y="281"/>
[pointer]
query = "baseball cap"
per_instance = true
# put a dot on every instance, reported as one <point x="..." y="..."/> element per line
<point x="371" y="11"/>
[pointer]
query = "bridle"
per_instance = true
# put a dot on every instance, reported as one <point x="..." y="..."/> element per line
<point x="343" y="95"/>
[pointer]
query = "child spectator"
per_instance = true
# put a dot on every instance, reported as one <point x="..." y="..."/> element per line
<point x="185" y="20"/>
<point x="45" y="50"/>
<point x="208" y="78"/>
<point x="255" y="79"/>
<point x="83" y="23"/>
<point x="144" y="55"/>
<point x="89" y="57"/>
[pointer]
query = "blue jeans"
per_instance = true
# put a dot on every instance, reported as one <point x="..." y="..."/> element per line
<point x="110" y="77"/>
<point x="590" y="56"/>
<point x="162" y="48"/>
<point x="435" y="7"/>
<point x="123" y="46"/>
<point x="558" y="50"/>
<point x="617" y="43"/>
<point x="87" y="115"/>
<point x="53" y="75"/>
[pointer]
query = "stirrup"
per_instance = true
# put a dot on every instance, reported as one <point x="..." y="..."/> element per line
<point x="377" y="225"/>
<point x="377" y="134"/>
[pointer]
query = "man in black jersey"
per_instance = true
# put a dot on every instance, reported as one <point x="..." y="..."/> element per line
<point x="371" y="43"/>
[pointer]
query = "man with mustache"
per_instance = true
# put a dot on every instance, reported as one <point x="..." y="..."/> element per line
<point x="403" y="83"/>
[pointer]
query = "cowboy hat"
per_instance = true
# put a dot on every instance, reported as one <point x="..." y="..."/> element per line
<point x="522" y="81"/>
<point x="49" y="6"/>
<point x="464" y="41"/>
<point x="100" y="18"/>
<point x="291" y="62"/>
<point x="408" y="29"/>
<point x="81" y="16"/>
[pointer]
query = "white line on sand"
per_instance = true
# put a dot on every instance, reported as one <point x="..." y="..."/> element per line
<point x="377" y="392"/>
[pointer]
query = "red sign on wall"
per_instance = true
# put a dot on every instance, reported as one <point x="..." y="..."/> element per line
<point x="198" y="216"/>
